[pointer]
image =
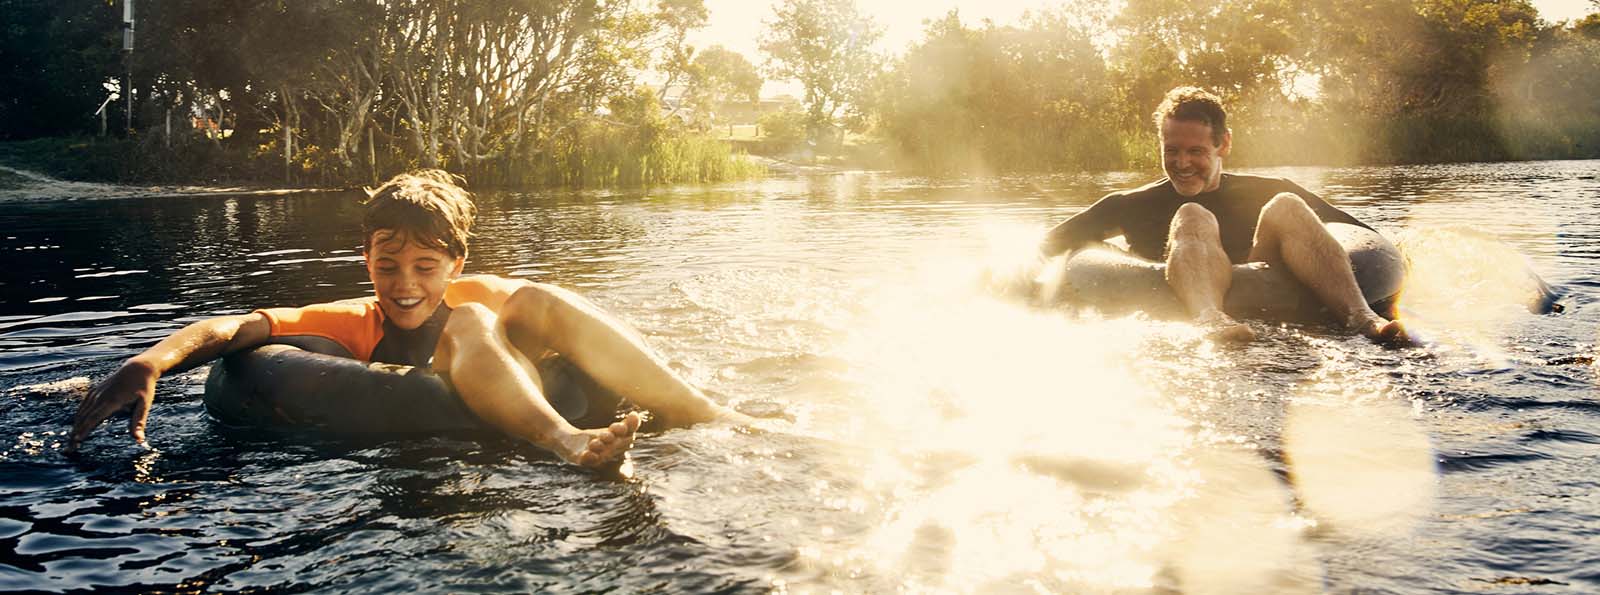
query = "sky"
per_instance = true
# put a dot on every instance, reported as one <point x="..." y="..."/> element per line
<point x="737" y="24"/>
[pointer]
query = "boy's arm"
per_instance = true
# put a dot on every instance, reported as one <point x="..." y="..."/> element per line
<point x="134" y="383"/>
<point x="490" y="290"/>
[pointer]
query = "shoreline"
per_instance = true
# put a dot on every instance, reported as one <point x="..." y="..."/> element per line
<point x="35" y="186"/>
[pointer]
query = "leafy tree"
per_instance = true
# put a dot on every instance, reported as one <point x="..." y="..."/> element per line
<point x="717" y="77"/>
<point x="827" y="46"/>
<point x="675" y="19"/>
<point x="999" y="98"/>
<point x="55" y="56"/>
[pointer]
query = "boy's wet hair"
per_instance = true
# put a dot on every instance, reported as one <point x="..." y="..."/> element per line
<point x="428" y="206"/>
<point x="1195" y="105"/>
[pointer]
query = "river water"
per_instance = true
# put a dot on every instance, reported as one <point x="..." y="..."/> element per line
<point x="926" y="435"/>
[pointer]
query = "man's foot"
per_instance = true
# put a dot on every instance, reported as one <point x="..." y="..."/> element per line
<point x="595" y="448"/>
<point x="1385" y="332"/>
<point x="1223" y="328"/>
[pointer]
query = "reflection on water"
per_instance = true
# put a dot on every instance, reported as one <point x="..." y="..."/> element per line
<point x="931" y="436"/>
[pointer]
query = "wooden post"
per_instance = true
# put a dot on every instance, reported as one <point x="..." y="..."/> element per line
<point x="168" y="138"/>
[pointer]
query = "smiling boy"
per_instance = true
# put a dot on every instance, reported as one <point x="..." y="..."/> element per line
<point x="483" y="333"/>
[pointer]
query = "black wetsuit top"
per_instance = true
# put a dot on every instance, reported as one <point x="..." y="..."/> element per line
<point x="411" y="347"/>
<point x="1143" y="216"/>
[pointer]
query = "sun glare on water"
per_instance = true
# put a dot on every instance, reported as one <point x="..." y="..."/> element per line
<point x="1015" y="448"/>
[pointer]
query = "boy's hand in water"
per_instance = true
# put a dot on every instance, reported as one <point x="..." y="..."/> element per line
<point x="131" y="385"/>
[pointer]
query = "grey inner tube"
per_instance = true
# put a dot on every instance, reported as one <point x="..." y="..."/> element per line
<point x="1113" y="281"/>
<point x="310" y="383"/>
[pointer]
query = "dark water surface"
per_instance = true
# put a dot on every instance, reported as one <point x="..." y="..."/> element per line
<point x="941" y="439"/>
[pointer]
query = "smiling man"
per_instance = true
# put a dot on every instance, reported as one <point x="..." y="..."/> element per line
<point x="1201" y="221"/>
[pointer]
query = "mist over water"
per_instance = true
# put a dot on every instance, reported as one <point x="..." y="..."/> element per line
<point x="930" y="437"/>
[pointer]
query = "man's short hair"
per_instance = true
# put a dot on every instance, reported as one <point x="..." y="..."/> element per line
<point x="428" y="205"/>
<point x="1195" y="105"/>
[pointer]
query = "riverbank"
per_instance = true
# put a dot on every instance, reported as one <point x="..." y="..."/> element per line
<point x="86" y="167"/>
<point x="23" y="185"/>
<point x="600" y="160"/>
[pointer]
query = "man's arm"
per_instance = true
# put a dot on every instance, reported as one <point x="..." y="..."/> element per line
<point x="1100" y="221"/>
<point x="134" y="383"/>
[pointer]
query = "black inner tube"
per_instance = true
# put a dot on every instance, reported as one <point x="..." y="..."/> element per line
<point x="1114" y="281"/>
<point x="311" y="383"/>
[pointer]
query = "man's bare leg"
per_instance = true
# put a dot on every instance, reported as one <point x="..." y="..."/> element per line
<point x="608" y="351"/>
<point x="503" y="388"/>
<point x="1199" y="271"/>
<point x="1289" y="232"/>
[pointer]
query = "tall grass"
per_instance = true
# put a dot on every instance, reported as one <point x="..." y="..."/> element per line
<point x="601" y="155"/>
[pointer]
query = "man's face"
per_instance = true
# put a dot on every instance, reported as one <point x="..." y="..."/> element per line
<point x="1191" y="160"/>
<point x="409" y="278"/>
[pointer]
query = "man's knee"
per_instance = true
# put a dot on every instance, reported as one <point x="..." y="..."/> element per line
<point x="1288" y="209"/>
<point x="1193" y="222"/>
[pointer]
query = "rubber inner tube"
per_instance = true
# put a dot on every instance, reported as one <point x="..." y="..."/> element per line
<point x="1113" y="281"/>
<point x="311" y="383"/>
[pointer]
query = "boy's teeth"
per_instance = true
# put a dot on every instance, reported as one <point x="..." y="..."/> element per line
<point x="408" y="302"/>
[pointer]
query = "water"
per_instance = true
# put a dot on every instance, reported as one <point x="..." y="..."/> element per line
<point x="936" y="438"/>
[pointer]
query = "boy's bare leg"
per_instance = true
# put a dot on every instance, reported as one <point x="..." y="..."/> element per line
<point x="607" y="350"/>
<point x="1199" y="271"/>
<point x="1289" y="232"/>
<point x="502" y="387"/>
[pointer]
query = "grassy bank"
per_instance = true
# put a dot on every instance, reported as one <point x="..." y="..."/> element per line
<point x="595" y="158"/>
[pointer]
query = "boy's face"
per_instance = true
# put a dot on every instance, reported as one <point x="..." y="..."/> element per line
<point x="409" y="278"/>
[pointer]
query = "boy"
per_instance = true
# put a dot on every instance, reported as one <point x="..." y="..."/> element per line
<point x="482" y="333"/>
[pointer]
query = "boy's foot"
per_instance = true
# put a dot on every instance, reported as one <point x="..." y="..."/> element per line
<point x="1385" y="332"/>
<point x="1223" y="328"/>
<point x="595" y="448"/>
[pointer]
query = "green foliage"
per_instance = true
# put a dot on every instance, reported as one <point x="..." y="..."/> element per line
<point x="55" y="56"/>
<point x="1316" y="81"/>
<point x="720" y="76"/>
<point x="826" y="45"/>
<point x="509" y="92"/>
<point x="342" y="92"/>
<point x="635" y="146"/>
<point x="782" y="131"/>
<point x="1000" y="99"/>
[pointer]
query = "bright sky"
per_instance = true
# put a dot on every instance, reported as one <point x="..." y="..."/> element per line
<point x="737" y="24"/>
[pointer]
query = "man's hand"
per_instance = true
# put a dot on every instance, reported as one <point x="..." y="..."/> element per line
<point x="132" y="385"/>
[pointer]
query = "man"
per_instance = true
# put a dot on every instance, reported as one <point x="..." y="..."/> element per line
<point x="1201" y="221"/>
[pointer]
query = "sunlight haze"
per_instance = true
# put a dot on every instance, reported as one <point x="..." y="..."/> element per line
<point x="738" y="24"/>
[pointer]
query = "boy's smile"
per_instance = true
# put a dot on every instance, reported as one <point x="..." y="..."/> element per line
<point x="409" y="278"/>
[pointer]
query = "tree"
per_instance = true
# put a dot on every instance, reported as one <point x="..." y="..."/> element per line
<point x="827" y="46"/>
<point x="675" y="19"/>
<point x="55" y="56"/>
<point x="1004" y="98"/>
<point x="717" y="77"/>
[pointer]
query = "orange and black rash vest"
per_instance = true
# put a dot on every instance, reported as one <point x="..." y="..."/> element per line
<point x="361" y="328"/>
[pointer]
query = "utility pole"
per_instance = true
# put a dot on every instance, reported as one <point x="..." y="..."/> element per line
<point x="127" y="58"/>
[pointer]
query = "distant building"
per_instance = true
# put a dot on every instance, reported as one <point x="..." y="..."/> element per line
<point x="744" y="112"/>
